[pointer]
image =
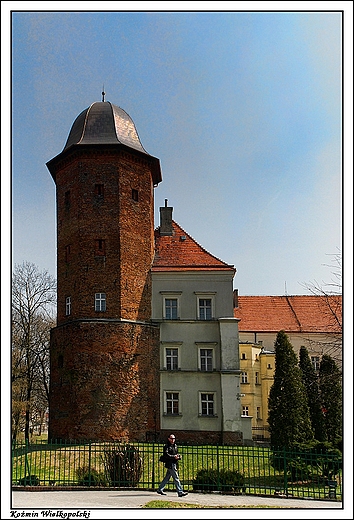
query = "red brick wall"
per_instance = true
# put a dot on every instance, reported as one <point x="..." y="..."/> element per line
<point x="104" y="381"/>
<point x="104" y="372"/>
<point x="125" y="225"/>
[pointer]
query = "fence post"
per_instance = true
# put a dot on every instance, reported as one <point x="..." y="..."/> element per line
<point x="153" y="466"/>
<point x="89" y="463"/>
<point x="285" y="473"/>
<point x="27" y="468"/>
<point x="218" y="466"/>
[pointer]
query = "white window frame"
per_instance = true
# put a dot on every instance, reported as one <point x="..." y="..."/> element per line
<point x="206" y="296"/>
<point x="201" y="401"/>
<point x="315" y="361"/>
<point x="245" y="411"/>
<point x="171" y="347"/>
<point x="171" y="295"/>
<point x="206" y="347"/>
<point x="100" y="302"/>
<point x="68" y="306"/>
<point x="173" y="399"/>
<point x="244" y="377"/>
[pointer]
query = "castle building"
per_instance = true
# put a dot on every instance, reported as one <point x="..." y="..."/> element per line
<point x="105" y="349"/>
<point x="199" y="356"/>
<point x="146" y="340"/>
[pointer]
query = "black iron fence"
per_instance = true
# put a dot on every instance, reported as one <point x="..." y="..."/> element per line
<point x="227" y="469"/>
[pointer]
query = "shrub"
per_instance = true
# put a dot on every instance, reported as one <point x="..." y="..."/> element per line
<point x="87" y="476"/>
<point x="223" y="480"/>
<point x="29" y="480"/>
<point x="123" y="466"/>
<point x="312" y="460"/>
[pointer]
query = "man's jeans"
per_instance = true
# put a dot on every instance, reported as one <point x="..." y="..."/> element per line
<point x="172" y="472"/>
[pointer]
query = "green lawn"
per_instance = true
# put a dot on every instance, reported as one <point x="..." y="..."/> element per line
<point x="57" y="464"/>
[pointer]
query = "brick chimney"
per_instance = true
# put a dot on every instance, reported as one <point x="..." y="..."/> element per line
<point x="166" y="220"/>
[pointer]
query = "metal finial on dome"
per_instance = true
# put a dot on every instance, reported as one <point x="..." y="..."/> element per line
<point x="103" y="93"/>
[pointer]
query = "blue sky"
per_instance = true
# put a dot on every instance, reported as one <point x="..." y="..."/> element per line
<point x="243" y="109"/>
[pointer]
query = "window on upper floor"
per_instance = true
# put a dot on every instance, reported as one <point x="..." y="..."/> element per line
<point x="207" y="404"/>
<point x="135" y="195"/>
<point x="171" y="358"/>
<point x="257" y="378"/>
<point x="68" y="306"/>
<point x="245" y="410"/>
<point x="67" y="199"/>
<point x="171" y="309"/>
<point x="205" y="311"/>
<point x="100" y="302"/>
<point x="60" y="361"/>
<point x="67" y="253"/>
<point x="100" y="247"/>
<point x="171" y="304"/>
<point x="206" y="359"/>
<point x="172" y="403"/>
<point x="315" y="360"/>
<point x="258" y="412"/>
<point x="99" y="190"/>
<point x="243" y="355"/>
<point x="244" y="377"/>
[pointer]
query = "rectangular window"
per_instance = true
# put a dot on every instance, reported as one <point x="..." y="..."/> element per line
<point x="99" y="190"/>
<point x="206" y="359"/>
<point x="68" y="305"/>
<point x="67" y="199"/>
<point x="205" y="309"/>
<point x="245" y="410"/>
<point x="315" y="360"/>
<point x="172" y="358"/>
<point x="171" y="309"/>
<point x="100" y="302"/>
<point x="207" y="404"/>
<point x="243" y="356"/>
<point x="100" y="247"/>
<point x="244" y="378"/>
<point x="135" y="195"/>
<point x="257" y="378"/>
<point x="172" y="403"/>
<point x="258" y="412"/>
<point x="67" y="253"/>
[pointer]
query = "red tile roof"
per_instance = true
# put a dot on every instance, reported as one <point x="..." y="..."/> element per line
<point x="180" y="252"/>
<point x="290" y="313"/>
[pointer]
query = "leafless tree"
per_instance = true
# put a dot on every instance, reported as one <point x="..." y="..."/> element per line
<point x="33" y="299"/>
<point x="330" y="299"/>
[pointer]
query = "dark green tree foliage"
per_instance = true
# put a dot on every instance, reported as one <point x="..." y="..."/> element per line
<point x="289" y="415"/>
<point x="310" y="380"/>
<point x="330" y="382"/>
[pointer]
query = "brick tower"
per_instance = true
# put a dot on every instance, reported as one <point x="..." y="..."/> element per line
<point x="104" y="350"/>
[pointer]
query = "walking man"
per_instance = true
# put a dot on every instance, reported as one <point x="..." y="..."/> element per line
<point x="171" y="458"/>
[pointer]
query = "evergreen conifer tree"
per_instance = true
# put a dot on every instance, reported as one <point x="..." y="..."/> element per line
<point x="330" y="383"/>
<point x="289" y="416"/>
<point x="310" y="381"/>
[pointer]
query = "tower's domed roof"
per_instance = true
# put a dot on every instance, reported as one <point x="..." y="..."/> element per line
<point x="104" y="123"/>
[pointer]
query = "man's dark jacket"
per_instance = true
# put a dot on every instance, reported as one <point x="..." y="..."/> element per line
<point x="169" y="451"/>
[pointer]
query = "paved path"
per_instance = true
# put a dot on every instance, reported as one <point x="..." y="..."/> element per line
<point x="90" y="500"/>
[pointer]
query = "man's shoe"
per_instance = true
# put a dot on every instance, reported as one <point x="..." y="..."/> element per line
<point x="160" y="492"/>
<point x="182" y="494"/>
